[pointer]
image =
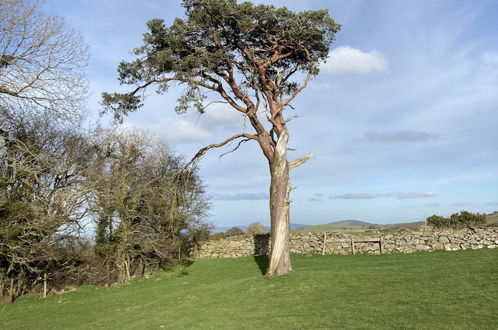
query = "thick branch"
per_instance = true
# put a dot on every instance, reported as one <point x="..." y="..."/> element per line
<point x="300" y="161"/>
<point x="219" y="88"/>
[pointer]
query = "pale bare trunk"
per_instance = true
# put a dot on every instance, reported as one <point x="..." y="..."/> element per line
<point x="45" y="285"/>
<point x="280" y="262"/>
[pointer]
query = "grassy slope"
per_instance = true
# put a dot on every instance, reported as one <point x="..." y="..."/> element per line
<point x="326" y="227"/>
<point x="439" y="290"/>
<point x="356" y="229"/>
<point x="492" y="218"/>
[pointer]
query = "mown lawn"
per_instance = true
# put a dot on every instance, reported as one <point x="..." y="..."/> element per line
<point x="439" y="290"/>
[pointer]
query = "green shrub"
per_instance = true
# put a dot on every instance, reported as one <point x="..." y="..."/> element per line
<point x="472" y="219"/>
<point x="464" y="219"/>
<point x="438" y="221"/>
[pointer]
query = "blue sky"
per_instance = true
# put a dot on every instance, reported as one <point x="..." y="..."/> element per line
<point x="403" y="118"/>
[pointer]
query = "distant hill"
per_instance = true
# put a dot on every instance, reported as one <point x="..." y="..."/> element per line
<point x="351" y="223"/>
<point x="333" y="226"/>
<point x="404" y="225"/>
<point x="267" y="228"/>
<point x="492" y="219"/>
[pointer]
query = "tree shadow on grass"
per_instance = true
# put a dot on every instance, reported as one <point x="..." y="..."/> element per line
<point x="261" y="248"/>
<point x="179" y="267"/>
<point x="262" y="262"/>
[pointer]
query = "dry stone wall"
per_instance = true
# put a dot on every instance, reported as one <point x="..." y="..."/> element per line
<point x="341" y="243"/>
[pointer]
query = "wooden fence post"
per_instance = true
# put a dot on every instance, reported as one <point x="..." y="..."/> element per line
<point x="352" y="245"/>
<point x="324" y="241"/>
<point x="380" y="244"/>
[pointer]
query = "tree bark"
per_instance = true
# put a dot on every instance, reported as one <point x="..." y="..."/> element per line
<point x="45" y="285"/>
<point x="10" y="298"/>
<point x="280" y="263"/>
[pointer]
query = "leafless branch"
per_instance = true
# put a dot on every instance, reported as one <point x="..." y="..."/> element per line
<point x="300" y="161"/>
<point x="202" y="151"/>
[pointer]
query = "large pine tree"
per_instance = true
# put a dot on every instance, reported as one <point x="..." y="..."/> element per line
<point x="256" y="58"/>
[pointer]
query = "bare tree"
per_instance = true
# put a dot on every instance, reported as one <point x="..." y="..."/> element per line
<point x="42" y="199"/>
<point x="41" y="61"/>
<point x="144" y="214"/>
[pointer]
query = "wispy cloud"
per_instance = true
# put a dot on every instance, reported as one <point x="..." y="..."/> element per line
<point x="314" y="200"/>
<point x="351" y="60"/>
<point x="175" y="129"/>
<point x="195" y="127"/>
<point x="462" y="204"/>
<point x="397" y="136"/>
<point x="407" y="195"/>
<point x="241" y="197"/>
<point x="400" y="195"/>
<point x="356" y="196"/>
<point x="432" y="205"/>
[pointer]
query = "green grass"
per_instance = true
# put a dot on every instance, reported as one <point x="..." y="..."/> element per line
<point x="439" y="290"/>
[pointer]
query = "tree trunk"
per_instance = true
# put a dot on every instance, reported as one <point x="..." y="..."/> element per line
<point x="45" y="285"/>
<point x="2" y="285"/>
<point x="280" y="262"/>
<point x="10" y="298"/>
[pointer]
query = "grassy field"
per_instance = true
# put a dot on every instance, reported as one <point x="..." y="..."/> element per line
<point x="439" y="290"/>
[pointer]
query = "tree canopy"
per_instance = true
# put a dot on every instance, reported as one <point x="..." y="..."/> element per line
<point x="244" y="52"/>
<point x="41" y="61"/>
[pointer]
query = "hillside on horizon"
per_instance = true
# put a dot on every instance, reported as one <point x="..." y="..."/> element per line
<point x="350" y="224"/>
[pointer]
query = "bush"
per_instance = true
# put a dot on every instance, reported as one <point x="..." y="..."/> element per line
<point x="234" y="231"/>
<point x="255" y="228"/>
<point x="438" y="221"/>
<point x="464" y="219"/>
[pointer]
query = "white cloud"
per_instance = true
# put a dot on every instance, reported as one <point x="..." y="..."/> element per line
<point x="241" y="197"/>
<point x="346" y="59"/>
<point x="462" y="204"/>
<point x="356" y="196"/>
<point x="222" y="116"/>
<point x="407" y="195"/>
<point x="400" y="195"/>
<point x="490" y="58"/>
<point x="176" y="129"/>
<point x="219" y="119"/>
<point x="397" y="136"/>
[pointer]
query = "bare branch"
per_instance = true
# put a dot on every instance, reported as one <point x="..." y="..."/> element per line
<point x="201" y="152"/>
<point x="305" y="83"/>
<point x="236" y="147"/>
<point x="300" y="161"/>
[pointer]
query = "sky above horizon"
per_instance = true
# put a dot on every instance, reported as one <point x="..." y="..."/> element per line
<point x="402" y="119"/>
